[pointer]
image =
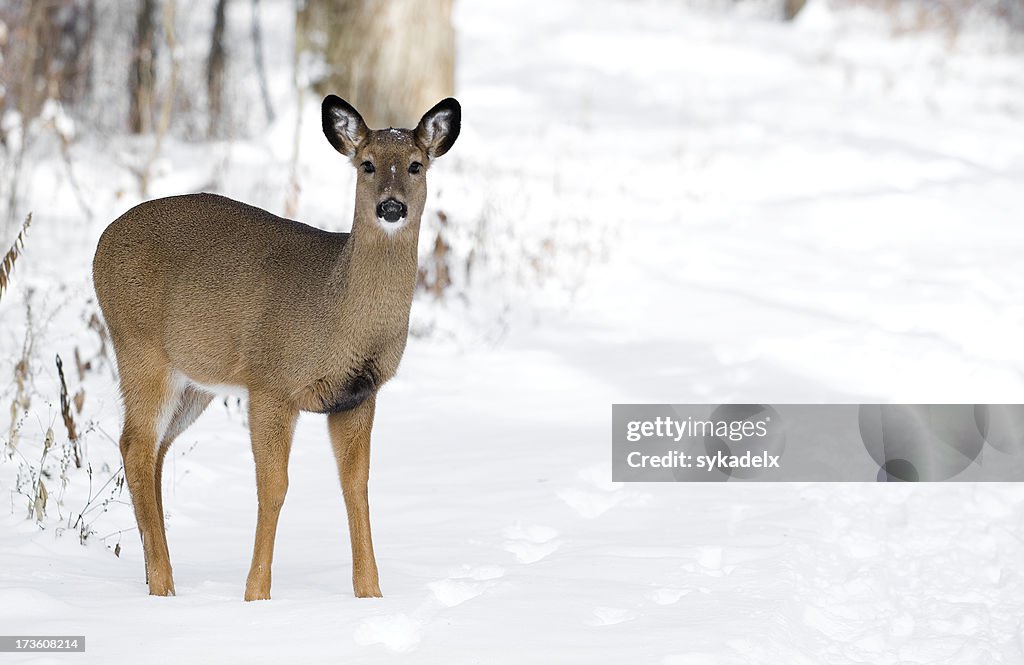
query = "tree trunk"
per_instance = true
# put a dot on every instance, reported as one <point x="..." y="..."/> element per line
<point x="790" y="8"/>
<point x="142" y="80"/>
<point x="257" y="53"/>
<point x="391" y="59"/>
<point x="215" y="68"/>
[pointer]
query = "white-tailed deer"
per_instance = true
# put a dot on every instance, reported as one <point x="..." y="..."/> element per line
<point x="201" y="292"/>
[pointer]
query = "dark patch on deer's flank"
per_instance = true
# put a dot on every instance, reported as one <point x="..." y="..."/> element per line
<point x="361" y="386"/>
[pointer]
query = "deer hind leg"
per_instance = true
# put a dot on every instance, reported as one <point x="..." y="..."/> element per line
<point x="350" y="438"/>
<point x="191" y="404"/>
<point x="151" y="392"/>
<point x="271" y="426"/>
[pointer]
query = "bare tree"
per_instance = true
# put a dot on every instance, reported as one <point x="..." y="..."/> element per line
<point x="392" y="59"/>
<point x="261" y="69"/>
<point x="142" y="79"/>
<point x="215" y="68"/>
<point x="163" y="122"/>
<point x="790" y="8"/>
<point x="45" y="49"/>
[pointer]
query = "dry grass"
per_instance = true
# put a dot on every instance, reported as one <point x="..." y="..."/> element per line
<point x="65" y="412"/>
<point x="48" y="462"/>
<point x="435" y="274"/>
<point x="11" y="257"/>
<point x="22" y="375"/>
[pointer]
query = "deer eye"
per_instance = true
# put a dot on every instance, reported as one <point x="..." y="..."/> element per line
<point x="415" y="167"/>
<point x="367" y="167"/>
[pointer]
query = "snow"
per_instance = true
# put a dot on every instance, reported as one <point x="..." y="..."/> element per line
<point x="723" y="210"/>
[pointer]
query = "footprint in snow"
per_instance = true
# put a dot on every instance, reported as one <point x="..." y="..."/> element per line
<point x="531" y="543"/>
<point x="609" y="616"/>
<point x="396" y="632"/>
<point x="667" y="596"/>
<point x="589" y="504"/>
<point x="465" y="584"/>
<point x="602" y="494"/>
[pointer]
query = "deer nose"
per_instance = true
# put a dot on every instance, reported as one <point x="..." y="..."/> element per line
<point x="391" y="210"/>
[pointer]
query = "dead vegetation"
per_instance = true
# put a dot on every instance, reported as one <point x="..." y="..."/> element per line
<point x="67" y="417"/>
<point x="947" y="17"/>
<point x="434" y="275"/>
<point x="22" y="400"/>
<point x="11" y="257"/>
<point x="51" y="460"/>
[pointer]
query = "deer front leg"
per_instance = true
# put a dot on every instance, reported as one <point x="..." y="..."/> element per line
<point x="350" y="438"/>
<point x="271" y="425"/>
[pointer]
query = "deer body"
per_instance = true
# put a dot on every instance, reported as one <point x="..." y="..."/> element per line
<point x="315" y="336"/>
<point x="201" y="293"/>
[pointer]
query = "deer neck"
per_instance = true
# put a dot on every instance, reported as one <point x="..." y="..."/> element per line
<point x="376" y="274"/>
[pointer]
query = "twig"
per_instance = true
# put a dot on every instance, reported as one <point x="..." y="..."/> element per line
<point x="65" y="412"/>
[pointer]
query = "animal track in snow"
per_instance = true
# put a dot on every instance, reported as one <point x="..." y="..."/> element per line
<point x="605" y="495"/>
<point x="589" y="504"/>
<point x="667" y="596"/>
<point x="396" y="632"/>
<point x="465" y="584"/>
<point x="531" y="543"/>
<point x="609" y="616"/>
<point x="709" y="561"/>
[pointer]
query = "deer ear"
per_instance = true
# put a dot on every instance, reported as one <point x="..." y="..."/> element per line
<point x="343" y="126"/>
<point x="439" y="127"/>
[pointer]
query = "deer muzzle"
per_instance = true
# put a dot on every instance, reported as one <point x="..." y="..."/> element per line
<point x="391" y="210"/>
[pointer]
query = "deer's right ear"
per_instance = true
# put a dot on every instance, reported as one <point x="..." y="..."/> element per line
<point x="343" y="126"/>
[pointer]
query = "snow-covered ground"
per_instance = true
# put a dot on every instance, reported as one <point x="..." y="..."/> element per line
<point x="739" y="211"/>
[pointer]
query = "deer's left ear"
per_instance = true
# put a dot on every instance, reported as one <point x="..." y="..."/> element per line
<point x="439" y="127"/>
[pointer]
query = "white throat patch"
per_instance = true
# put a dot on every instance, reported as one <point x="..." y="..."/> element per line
<point x="391" y="228"/>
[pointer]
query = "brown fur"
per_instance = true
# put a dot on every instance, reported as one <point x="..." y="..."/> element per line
<point x="200" y="291"/>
